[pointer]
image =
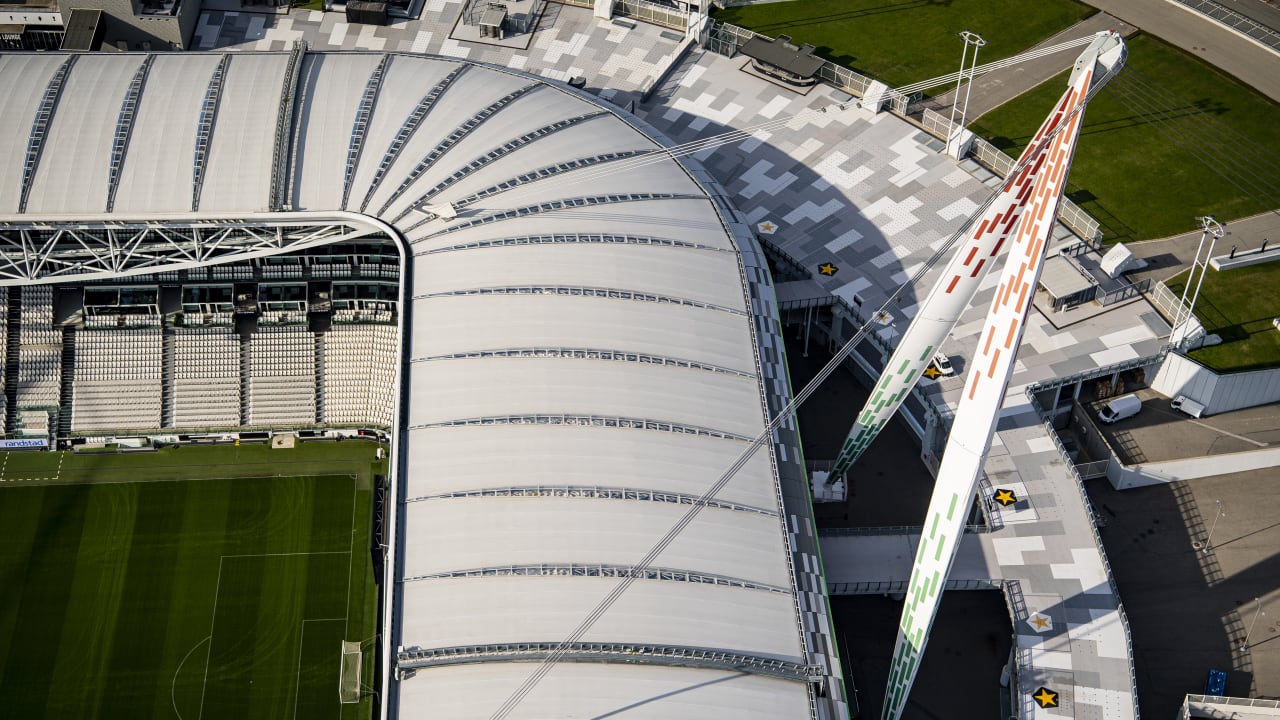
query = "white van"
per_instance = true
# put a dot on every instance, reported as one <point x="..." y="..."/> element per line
<point x="1185" y="404"/>
<point x="943" y="363"/>
<point x="1120" y="408"/>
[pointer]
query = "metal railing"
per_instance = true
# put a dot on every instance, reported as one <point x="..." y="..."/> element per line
<point x="891" y="587"/>
<point x="1129" y="290"/>
<point x="1091" y="470"/>
<point x="889" y="530"/>
<point x="992" y="157"/>
<point x="1235" y="21"/>
<point x="1165" y="301"/>
<point x="1221" y="707"/>
<point x="651" y="13"/>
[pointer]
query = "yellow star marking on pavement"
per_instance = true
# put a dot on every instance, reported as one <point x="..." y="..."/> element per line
<point x="767" y="227"/>
<point x="1006" y="497"/>
<point x="827" y="269"/>
<point x="1046" y="697"/>
<point x="1040" y="622"/>
<point x="932" y="372"/>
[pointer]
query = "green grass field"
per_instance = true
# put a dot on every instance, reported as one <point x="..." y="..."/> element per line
<point x="1239" y="305"/>
<point x="905" y="42"/>
<point x="1129" y="174"/>
<point x="186" y="584"/>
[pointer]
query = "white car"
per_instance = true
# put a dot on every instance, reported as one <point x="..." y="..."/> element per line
<point x="943" y="363"/>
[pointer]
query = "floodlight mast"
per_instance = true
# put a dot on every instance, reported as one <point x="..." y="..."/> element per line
<point x="989" y="374"/>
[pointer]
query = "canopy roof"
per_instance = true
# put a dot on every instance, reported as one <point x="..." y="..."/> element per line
<point x="583" y="352"/>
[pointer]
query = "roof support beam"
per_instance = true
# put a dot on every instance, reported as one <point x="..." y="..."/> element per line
<point x="590" y="420"/>
<point x="360" y="126"/>
<point x="453" y="139"/>
<point x="34" y="253"/>
<point x="602" y="571"/>
<point x="124" y="129"/>
<point x="40" y="128"/>
<point x="204" y="130"/>
<point x="670" y="655"/>
<point x="595" y="493"/>
<point x="407" y="129"/>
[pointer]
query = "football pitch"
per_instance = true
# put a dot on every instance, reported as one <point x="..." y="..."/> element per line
<point x="128" y="595"/>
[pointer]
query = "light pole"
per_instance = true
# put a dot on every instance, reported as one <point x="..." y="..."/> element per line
<point x="1209" y="538"/>
<point x="974" y="39"/>
<point x="1256" y="613"/>
<point x="1213" y="231"/>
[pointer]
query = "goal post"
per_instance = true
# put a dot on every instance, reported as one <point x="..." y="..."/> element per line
<point x="349" y="679"/>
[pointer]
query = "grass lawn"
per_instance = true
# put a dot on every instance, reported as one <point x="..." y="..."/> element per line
<point x="1128" y="174"/>
<point x="912" y="40"/>
<point x="1239" y="305"/>
<point x="131" y="597"/>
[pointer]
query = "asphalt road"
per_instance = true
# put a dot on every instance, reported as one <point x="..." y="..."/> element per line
<point x="1213" y="43"/>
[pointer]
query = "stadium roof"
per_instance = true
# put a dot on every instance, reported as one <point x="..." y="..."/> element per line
<point x="583" y="353"/>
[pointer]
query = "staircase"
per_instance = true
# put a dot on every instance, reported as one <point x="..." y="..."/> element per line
<point x="166" y="378"/>
<point x="244" y="379"/>
<point x="66" y="394"/>
<point x="319" y="378"/>
<point x="14" y="329"/>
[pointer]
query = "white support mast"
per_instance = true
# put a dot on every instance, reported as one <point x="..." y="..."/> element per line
<point x="989" y="374"/>
<point x="945" y="303"/>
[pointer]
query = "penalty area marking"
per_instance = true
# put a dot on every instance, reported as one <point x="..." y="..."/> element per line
<point x="204" y="685"/>
<point x="297" y="685"/>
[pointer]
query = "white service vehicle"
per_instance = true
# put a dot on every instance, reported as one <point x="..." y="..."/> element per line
<point x="1182" y="403"/>
<point x="1120" y="408"/>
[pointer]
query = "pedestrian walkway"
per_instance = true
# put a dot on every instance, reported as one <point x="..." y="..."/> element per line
<point x="999" y="87"/>
<point x="1070" y="635"/>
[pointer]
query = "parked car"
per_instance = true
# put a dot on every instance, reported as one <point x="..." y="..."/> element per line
<point x="1120" y="408"/>
<point x="1182" y="403"/>
<point x="943" y="363"/>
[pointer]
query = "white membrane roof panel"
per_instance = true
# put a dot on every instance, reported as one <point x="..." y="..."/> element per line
<point x="692" y="221"/>
<point x="566" y="455"/>
<point x="444" y="325"/>
<point x="23" y="79"/>
<point x="451" y="390"/>
<point x="527" y="113"/>
<point x="586" y="139"/>
<point x="72" y="174"/>
<point x="157" y="173"/>
<point x="587" y="690"/>
<point x="452" y="612"/>
<point x="331" y="87"/>
<point x="453" y="534"/>
<point x="238" y="175"/>
<point x="704" y="276"/>
<point x="405" y="82"/>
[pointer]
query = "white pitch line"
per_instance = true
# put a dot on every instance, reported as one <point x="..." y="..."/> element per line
<point x="298" y="675"/>
<point x="292" y="554"/>
<point x="174" y="685"/>
<point x="208" y="657"/>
